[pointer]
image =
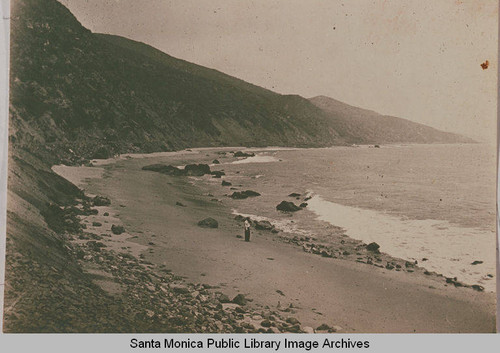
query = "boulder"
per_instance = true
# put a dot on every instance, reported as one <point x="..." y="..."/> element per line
<point x="240" y="195"/>
<point x="164" y="169"/>
<point x="478" y="287"/>
<point x="286" y="206"/>
<point x="240" y="299"/>
<point x="117" y="229"/>
<point x="226" y="183"/>
<point x="373" y="247"/>
<point x="196" y="169"/>
<point x="294" y="194"/>
<point x="224" y="298"/>
<point x="215" y="161"/>
<point x="101" y="201"/>
<point x="265" y="323"/>
<point x="324" y="327"/>
<point x="243" y="154"/>
<point x="217" y="173"/>
<point x="208" y="223"/>
<point x="303" y="205"/>
<point x="263" y="225"/>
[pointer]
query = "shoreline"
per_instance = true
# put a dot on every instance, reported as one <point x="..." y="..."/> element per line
<point x="187" y="259"/>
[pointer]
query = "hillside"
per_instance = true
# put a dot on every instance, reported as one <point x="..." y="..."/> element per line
<point x="100" y="94"/>
<point x="366" y="126"/>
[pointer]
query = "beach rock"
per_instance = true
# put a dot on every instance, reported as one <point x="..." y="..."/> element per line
<point x="240" y="195"/>
<point x="164" y="169"/>
<point x="208" y="223"/>
<point x="294" y="194"/>
<point x="286" y="206"/>
<point x="106" y="214"/>
<point x="324" y="328"/>
<point x="217" y="173"/>
<point x="117" y="229"/>
<point x="197" y="169"/>
<point x="226" y="183"/>
<point x="303" y="205"/>
<point x="224" y="298"/>
<point x="265" y="323"/>
<point x="477" y="287"/>
<point x="294" y="329"/>
<point x="101" y="201"/>
<point x="263" y="225"/>
<point x="477" y="262"/>
<point x="373" y="247"/>
<point x="292" y="321"/>
<point x="180" y="204"/>
<point x="243" y="154"/>
<point x="239" y="299"/>
<point x="180" y="288"/>
<point x="215" y="161"/>
<point x="96" y="224"/>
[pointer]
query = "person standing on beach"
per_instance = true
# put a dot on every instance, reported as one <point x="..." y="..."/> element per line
<point x="247" y="230"/>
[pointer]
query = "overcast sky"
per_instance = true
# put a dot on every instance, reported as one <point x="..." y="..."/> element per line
<point x="414" y="59"/>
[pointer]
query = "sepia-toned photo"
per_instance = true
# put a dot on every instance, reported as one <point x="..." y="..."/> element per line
<point x="252" y="166"/>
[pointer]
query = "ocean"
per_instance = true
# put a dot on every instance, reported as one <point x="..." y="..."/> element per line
<point x="431" y="203"/>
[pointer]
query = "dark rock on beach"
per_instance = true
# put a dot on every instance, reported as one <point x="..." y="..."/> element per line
<point x="286" y="206"/>
<point x="263" y="225"/>
<point x="117" y="229"/>
<point x="217" y="173"/>
<point x="190" y="169"/>
<point x="294" y="194"/>
<point x="373" y="247"/>
<point x="477" y="262"/>
<point x="164" y="169"/>
<point x="197" y="169"/>
<point x="243" y="154"/>
<point x="215" y="161"/>
<point x="303" y="205"/>
<point x="240" y="299"/>
<point x="208" y="223"/>
<point x="226" y="183"/>
<point x="101" y="201"/>
<point x="240" y="195"/>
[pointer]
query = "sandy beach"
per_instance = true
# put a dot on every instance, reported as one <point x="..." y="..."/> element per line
<point x="348" y="295"/>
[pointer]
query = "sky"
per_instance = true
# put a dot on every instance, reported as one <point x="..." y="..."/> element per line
<point x="419" y="60"/>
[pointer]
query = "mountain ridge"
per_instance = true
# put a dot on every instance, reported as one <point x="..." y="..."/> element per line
<point x="98" y="95"/>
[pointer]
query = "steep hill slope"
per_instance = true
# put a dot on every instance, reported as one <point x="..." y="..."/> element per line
<point x="367" y="126"/>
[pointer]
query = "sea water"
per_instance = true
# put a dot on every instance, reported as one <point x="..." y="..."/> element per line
<point x="430" y="203"/>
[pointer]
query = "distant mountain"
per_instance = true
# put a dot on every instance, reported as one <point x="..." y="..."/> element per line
<point x="100" y="94"/>
<point x="366" y="126"/>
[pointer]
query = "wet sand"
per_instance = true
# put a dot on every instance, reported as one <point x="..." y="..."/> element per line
<point x="356" y="297"/>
